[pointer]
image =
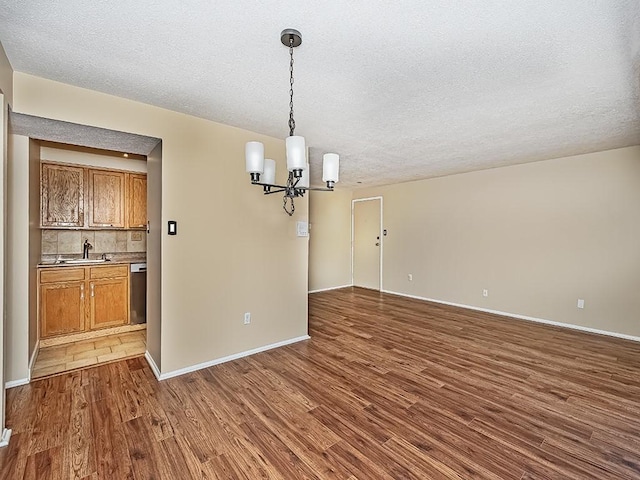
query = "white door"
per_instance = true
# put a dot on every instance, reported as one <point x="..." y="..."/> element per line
<point x="367" y="225"/>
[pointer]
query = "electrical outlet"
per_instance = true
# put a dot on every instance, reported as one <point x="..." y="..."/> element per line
<point x="485" y="293"/>
<point x="410" y="277"/>
<point x="580" y="303"/>
<point x="247" y="318"/>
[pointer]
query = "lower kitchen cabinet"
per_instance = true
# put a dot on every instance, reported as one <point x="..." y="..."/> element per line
<point x="109" y="303"/>
<point x="79" y="299"/>
<point x="62" y="308"/>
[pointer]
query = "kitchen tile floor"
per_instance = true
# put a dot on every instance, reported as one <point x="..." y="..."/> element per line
<point x="70" y="356"/>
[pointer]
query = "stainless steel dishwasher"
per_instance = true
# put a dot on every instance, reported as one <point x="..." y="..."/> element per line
<point x="138" y="294"/>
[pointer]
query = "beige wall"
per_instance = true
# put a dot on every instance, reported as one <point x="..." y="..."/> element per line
<point x="3" y="251"/>
<point x="35" y="243"/>
<point x="17" y="260"/>
<point x="6" y="77"/>
<point x="154" y="255"/>
<point x="6" y="99"/>
<point x="329" y="260"/>
<point x="22" y="254"/>
<point x="538" y="236"/>
<point x="235" y="252"/>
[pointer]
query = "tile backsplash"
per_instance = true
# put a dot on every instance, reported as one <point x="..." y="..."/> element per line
<point x="69" y="242"/>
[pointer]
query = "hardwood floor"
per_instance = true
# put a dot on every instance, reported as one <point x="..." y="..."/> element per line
<point x="387" y="388"/>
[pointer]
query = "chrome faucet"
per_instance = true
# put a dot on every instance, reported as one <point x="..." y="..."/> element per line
<point x="85" y="249"/>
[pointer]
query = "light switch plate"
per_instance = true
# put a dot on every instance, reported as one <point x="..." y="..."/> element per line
<point x="302" y="229"/>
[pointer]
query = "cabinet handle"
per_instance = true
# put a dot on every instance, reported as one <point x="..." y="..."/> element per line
<point x="92" y="290"/>
<point x="82" y="292"/>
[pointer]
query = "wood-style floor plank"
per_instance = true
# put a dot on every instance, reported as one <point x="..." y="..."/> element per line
<point x="387" y="388"/>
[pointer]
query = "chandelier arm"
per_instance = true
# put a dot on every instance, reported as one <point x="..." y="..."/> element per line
<point x="316" y="189"/>
<point x="280" y="190"/>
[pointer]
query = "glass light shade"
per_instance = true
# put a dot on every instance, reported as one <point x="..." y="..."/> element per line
<point x="254" y="155"/>
<point x="269" y="174"/>
<point x="330" y="167"/>
<point x="296" y="153"/>
<point x="304" y="180"/>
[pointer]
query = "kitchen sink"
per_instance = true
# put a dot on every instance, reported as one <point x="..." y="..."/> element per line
<point x="83" y="260"/>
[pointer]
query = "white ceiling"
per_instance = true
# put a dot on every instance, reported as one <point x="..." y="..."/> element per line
<point x="401" y="90"/>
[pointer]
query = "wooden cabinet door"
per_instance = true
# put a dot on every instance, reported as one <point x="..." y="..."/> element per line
<point x="62" y="308"/>
<point x="61" y="196"/>
<point x="109" y="302"/>
<point x="137" y="201"/>
<point x="106" y="198"/>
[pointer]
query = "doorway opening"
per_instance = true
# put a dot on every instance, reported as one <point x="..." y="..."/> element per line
<point x="76" y="307"/>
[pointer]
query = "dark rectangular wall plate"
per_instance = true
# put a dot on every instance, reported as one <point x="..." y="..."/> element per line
<point x="172" y="227"/>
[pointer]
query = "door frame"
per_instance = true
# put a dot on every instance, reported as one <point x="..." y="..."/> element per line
<point x="353" y="204"/>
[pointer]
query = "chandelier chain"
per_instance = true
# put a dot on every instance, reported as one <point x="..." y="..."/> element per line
<point x="292" y="122"/>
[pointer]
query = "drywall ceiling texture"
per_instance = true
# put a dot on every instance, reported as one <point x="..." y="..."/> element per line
<point x="401" y="91"/>
<point x="81" y="135"/>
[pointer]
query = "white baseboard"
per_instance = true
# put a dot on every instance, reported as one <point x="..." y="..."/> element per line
<point x="330" y="288"/>
<point x="522" y="317"/>
<point x="16" y="383"/>
<point x="6" y="435"/>
<point x="152" y="364"/>
<point x="200" y="366"/>
<point x="34" y="355"/>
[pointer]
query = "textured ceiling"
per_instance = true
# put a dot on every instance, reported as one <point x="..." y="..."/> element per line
<point x="401" y="90"/>
<point x="82" y="135"/>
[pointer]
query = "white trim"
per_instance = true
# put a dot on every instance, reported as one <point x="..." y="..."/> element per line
<point x="152" y="364"/>
<point x="34" y="355"/>
<point x="16" y="383"/>
<point x="6" y="435"/>
<point x="330" y="288"/>
<point x="381" y="236"/>
<point x="235" y="356"/>
<point x="522" y="317"/>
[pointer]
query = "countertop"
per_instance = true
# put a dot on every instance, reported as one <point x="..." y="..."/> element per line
<point x="115" y="261"/>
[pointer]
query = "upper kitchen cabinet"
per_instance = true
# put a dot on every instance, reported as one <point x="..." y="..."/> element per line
<point x="106" y="199"/>
<point x="92" y="198"/>
<point x="137" y="194"/>
<point x="62" y="196"/>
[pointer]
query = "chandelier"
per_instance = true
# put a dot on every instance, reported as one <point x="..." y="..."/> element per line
<point x="263" y="170"/>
